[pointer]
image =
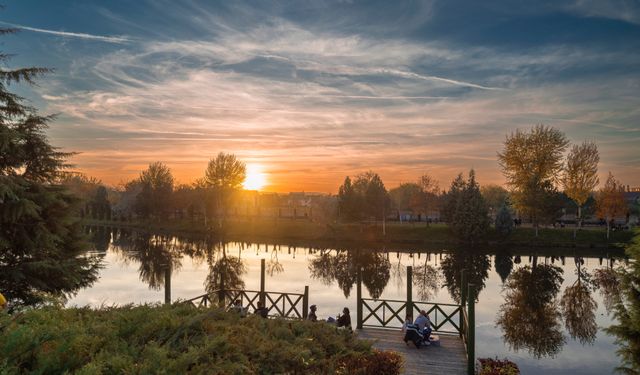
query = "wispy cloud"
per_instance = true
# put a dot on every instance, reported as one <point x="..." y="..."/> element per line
<point x="67" y="34"/>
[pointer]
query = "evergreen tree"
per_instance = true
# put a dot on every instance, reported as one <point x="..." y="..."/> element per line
<point x="504" y="221"/>
<point x="451" y="199"/>
<point x="627" y="311"/>
<point x="470" y="220"/>
<point x="42" y="248"/>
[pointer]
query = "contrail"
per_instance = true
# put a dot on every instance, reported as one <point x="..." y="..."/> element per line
<point x="66" y="34"/>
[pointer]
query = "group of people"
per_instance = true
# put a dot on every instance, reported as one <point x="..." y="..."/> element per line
<point x="419" y="331"/>
<point x="343" y="320"/>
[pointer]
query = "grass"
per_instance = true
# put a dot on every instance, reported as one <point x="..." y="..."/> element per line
<point x="396" y="233"/>
<point x="178" y="339"/>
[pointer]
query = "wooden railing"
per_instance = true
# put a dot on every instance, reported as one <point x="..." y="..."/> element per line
<point x="281" y="304"/>
<point x="391" y="314"/>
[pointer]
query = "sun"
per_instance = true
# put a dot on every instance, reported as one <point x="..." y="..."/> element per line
<point x="255" y="179"/>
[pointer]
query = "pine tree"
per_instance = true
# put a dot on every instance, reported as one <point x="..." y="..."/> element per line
<point x="504" y="221"/>
<point x="41" y="245"/>
<point x="627" y="311"/>
<point x="471" y="218"/>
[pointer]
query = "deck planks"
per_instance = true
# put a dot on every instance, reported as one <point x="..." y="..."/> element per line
<point x="449" y="358"/>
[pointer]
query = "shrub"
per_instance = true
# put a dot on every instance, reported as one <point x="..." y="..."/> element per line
<point x="490" y="366"/>
<point x="177" y="340"/>
<point x="376" y="362"/>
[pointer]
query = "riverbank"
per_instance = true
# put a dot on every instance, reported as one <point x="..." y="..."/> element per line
<point x="401" y="234"/>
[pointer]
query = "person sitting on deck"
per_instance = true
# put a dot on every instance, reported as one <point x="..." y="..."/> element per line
<point x="407" y="321"/>
<point x="344" y="320"/>
<point x="312" y="313"/>
<point x="424" y="323"/>
<point x="261" y="310"/>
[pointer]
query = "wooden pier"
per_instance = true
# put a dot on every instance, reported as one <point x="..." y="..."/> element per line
<point x="449" y="358"/>
<point x="380" y="320"/>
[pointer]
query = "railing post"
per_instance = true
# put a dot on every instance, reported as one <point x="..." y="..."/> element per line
<point x="463" y="297"/>
<point x="471" y="335"/>
<point x="409" y="308"/>
<point x="359" y="298"/>
<point x="262" y="281"/>
<point x="305" y="302"/>
<point x="167" y="285"/>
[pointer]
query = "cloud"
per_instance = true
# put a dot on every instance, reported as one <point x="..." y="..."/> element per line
<point x="66" y="34"/>
<point x="335" y="102"/>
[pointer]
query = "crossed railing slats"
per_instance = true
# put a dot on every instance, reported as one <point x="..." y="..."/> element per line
<point x="385" y="313"/>
<point x="287" y="305"/>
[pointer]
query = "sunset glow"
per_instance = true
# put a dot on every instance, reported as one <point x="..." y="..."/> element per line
<point x="256" y="179"/>
<point x="317" y="98"/>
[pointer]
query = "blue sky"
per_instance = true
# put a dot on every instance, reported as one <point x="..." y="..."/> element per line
<point x="311" y="91"/>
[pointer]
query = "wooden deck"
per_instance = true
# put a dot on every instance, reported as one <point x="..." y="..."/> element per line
<point x="448" y="358"/>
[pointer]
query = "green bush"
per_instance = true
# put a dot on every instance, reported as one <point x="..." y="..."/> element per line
<point x="177" y="340"/>
<point x="490" y="366"/>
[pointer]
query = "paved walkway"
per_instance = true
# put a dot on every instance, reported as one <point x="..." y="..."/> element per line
<point x="448" y="358"/>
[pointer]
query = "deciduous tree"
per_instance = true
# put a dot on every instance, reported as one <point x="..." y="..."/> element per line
<point x="532" y="161"/>
<point x="157" y="186"/>
<point x="581" y="175"/>
<point x="610" y="202"/>
<point x="224" y="176"/>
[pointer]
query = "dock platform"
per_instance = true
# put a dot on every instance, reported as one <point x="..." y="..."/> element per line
<point x="448" y="358"/>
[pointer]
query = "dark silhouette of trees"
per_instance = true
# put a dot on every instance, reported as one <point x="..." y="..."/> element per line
<point x="41" y="245"/>
<point x="157" y="186"/>
<point x="100" y="205"/>
<point x="223" y="177"/>
<point x="366" y="197"/>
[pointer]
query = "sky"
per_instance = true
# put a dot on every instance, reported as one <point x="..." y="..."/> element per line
<point x="308" y="92"/>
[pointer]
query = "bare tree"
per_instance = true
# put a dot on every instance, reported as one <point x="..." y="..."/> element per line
<point x="581" y="175"/>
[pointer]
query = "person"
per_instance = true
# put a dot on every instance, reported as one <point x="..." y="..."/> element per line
<point x="312" y="313"/>
<point x="424" y="323"/>
<point x="344" y="320"/>
<point x="261" y="310"/>
<point x="407" y="321"/>
<point x="238" y="308"/>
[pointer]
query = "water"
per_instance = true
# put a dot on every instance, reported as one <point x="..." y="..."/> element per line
<point x="541" y="336"/>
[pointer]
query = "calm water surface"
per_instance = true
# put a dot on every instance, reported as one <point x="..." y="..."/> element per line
<point x="524" y="322"/>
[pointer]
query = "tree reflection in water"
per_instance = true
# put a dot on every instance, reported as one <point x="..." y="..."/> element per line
<point x="158" y="255"/>
<point x="529" y="316"/>
<point x="503" y="265"/>
<point x="225" y="271"/>
<point x="427" y="279"/>
<point x="607" y="281"/>
<point x="476" y="266"/>
<point x="579" y="308"/>
<point x="273" y="265"/>
<point x="342" y="268"/>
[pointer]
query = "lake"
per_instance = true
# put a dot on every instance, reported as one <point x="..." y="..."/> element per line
<point x="542" y="308"/>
